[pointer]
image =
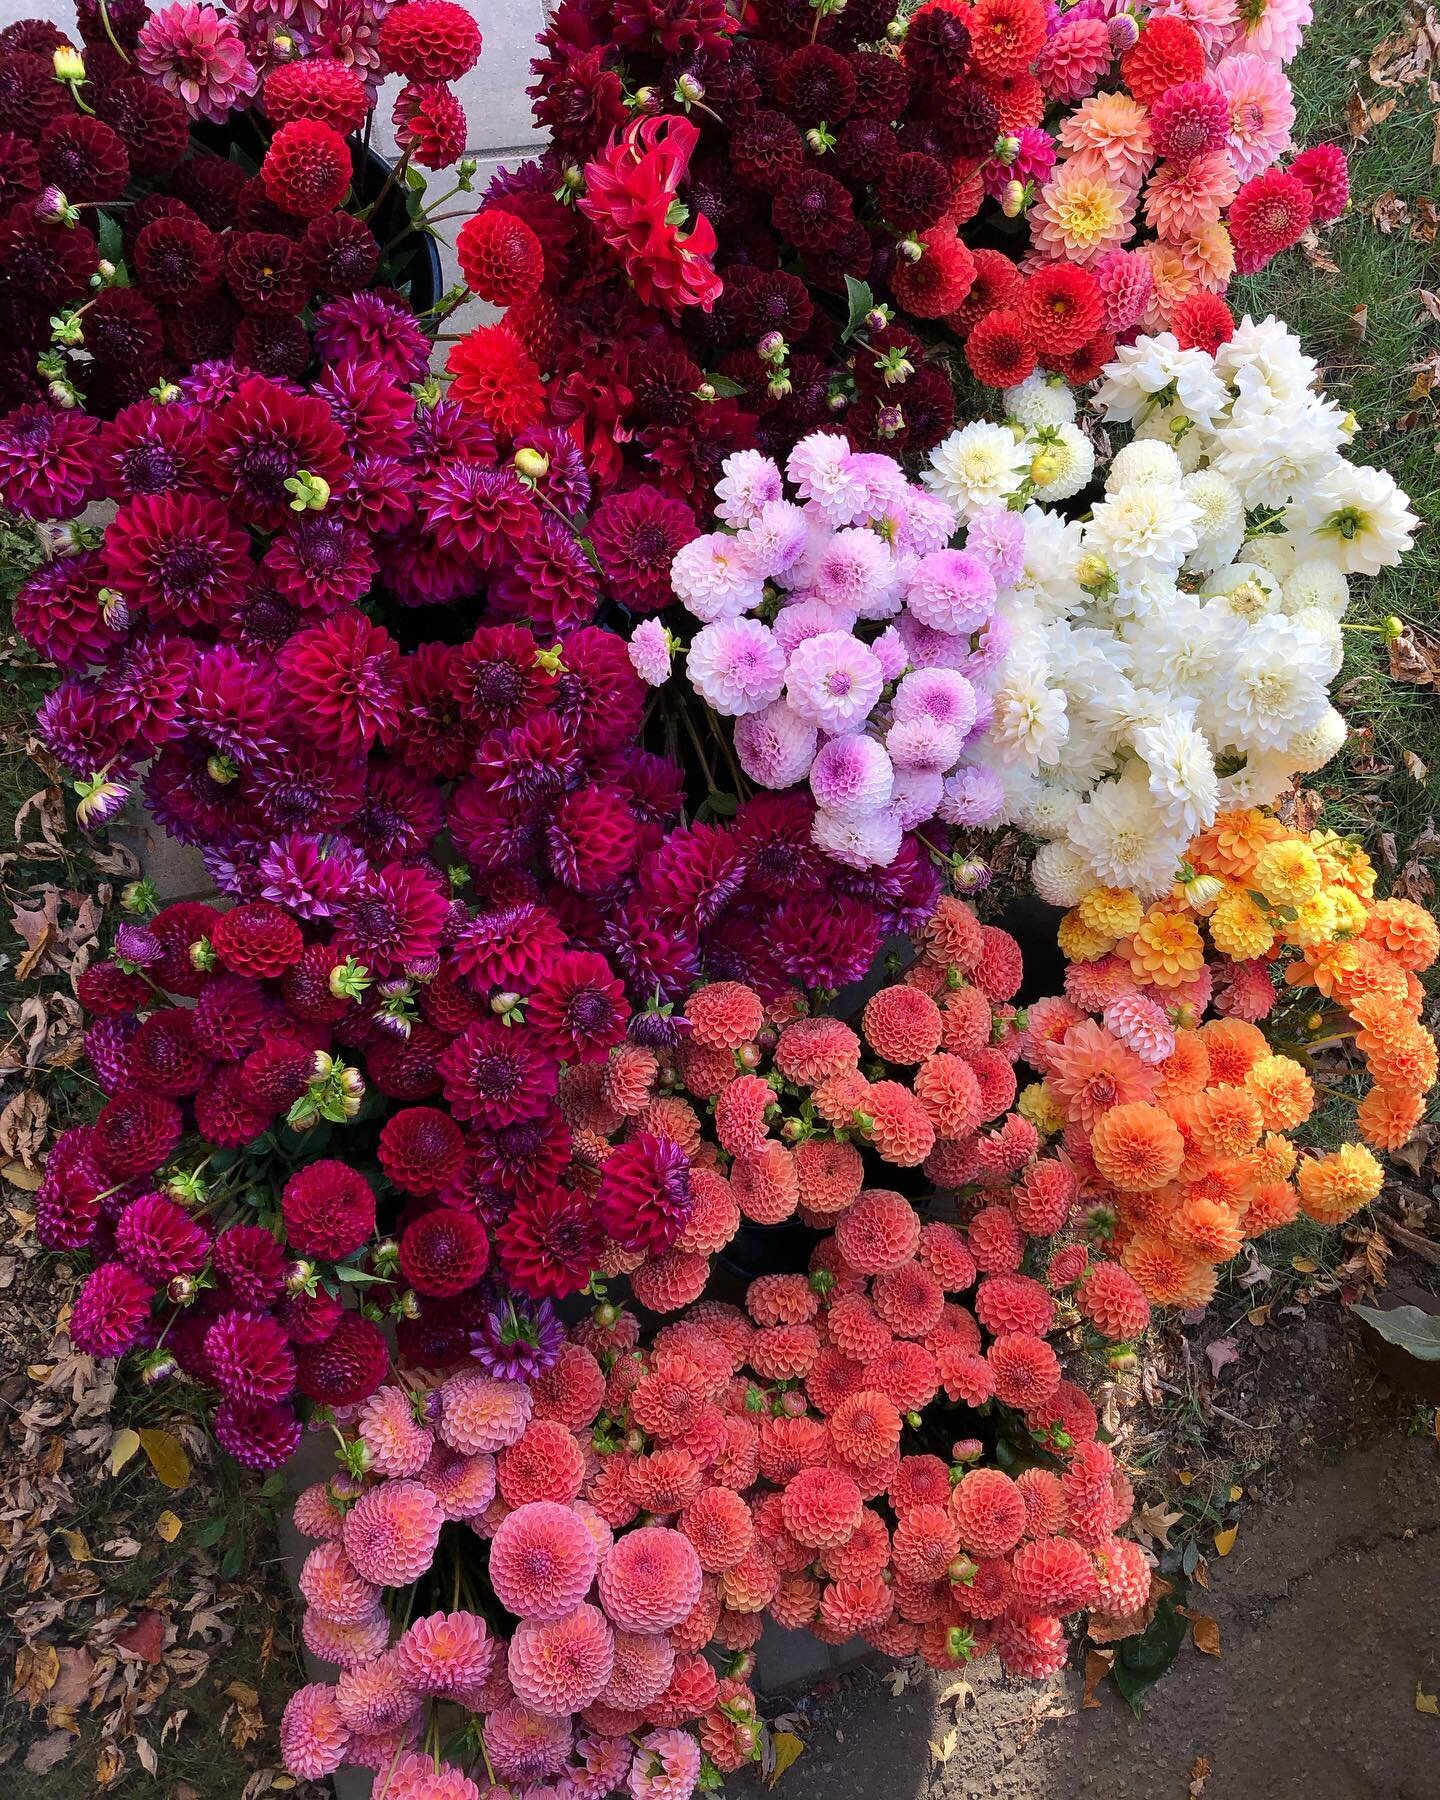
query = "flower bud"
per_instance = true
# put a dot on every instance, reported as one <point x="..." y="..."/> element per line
<point x="182" y="1289"/>
<point x="530" y="465"/>
<point x="1012" y="200"/>
<point x="157" y="1367"/>
<point x="408" y="1305"/>
<point x="300" y="1277"/>
<point x="690" y="88"/>
<point x="69" y="65"/>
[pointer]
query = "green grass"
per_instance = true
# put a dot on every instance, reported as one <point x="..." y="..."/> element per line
<point x="1369" y="790"/>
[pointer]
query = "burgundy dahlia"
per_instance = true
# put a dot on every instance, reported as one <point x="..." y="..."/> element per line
<point x="347" y="1366"/>
<point x="444" y="1252"/>
<point x="636" y="535"/>
<point x="47" y="461"/>
<point x="158" y="1239"/>
<point x="260" y="1434"/>
<point x="250" y="1356"/>
<point x="111" y="1311"/>
<point x="329" y="1210"/>
<point x="644" y="1200"/>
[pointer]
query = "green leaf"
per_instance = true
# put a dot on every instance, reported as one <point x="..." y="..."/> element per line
<point x="725" y="388"/>
<point x="210" y="1533"/>
<point x="232" y="1561"/>
<point x="861" y="300"/>
<point x="358" y="1275"/>
<point x="724" y="806"/>
<point x="111" y="246"/>
<point x="414" y="179"/>
<point x="1407" y="1327"/>
<point x="1141" y="1661"/>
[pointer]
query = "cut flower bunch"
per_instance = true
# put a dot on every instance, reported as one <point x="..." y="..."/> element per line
<point x="562" y="732"/>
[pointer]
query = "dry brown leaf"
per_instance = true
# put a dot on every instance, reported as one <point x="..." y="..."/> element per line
<point x="1098" y="1664"/>
<point x="48" y="1753"/>
<point x="1389" y="212"/>
<point x="1414" y="768"/>
<point x="1404" y="58"/>
<point x="1426" y="1703"/>
<point x="37" y="1669"/>
<point x="109" y="1766"/>
<point x="1206" y="1633"/>
<point x="1199" y="1775"/>
<point x="1415" y="657"/>
<point x="22" y="1127"/>
<point x="1359" y="322"/>
<point x="168" y="1527"/>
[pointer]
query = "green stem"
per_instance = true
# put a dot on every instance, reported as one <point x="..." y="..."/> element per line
<point x="115" y="44"/>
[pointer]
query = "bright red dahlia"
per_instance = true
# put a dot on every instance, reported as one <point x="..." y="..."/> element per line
<point x="306" y="170"/>
<point x="430" y="40"/>
<point x="429" y="123"/>
<point x="500" y="257"/>
<point x="421" y="1149"/>
<point x="580" y="1007"/>
<point x="316" y="87"/>
<point x="256" y="939"/>
<point x="496" y="378"/>
<point x="343" y="678"/>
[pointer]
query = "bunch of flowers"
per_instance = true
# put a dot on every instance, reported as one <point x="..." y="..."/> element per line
<point x="751" y="227"/>
<point x="852" y="647"/>
<point x="1176" y="1067"/>
<point x="1171" y="656"/>
<point x="133" y="247"/>
<point x="639" y="1503"/>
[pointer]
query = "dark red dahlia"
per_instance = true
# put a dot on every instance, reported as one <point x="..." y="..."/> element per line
<point x="107" y="1050"/>
<point x="494" y="1076"/>
<point x="635" y="535"/>
<point x="158" y="1239"/>
<point x="38" y="36"/>
<point x="344" y="679"/>
<point x="203" y="333"/>
<point x="915" y="192"/>
<point x="19" y="169"/>
<point x="85" y="158"/>
<point x="421" y="1149"/>
<point x="43" y="264"/>
<point x="309" y="1318"/>
<point x="882" y="87"/>
<point x="580" y="1008"/>
<point x="178" y="260"/>
<point x="111" y="992"/>
<point x="511" y="946"/>
<point x="30" y="96"/>
<point x="329" y="1210"/>
<point x="517" y="1159"/>
<point x="766" y="150"/>
<point x="815" y="86"/>
<point x="262" y="438"/>
<point x="111" y="1312"/>
<point x="550" y="1243"/>
<point x="341" y="251"/>
<point x="165" y="1057"/>
<point x="407" y="1068"/>
<point x="275" y="1074"/>
<point x="444" y="1252"/>
<point x="152" y="124"/>
<point x="306" y="170"/>
<point x="59" y="610"/>
<point x="260" y="1434"/>
<point x="316" y="87"/>
<point x="267" y="273"/>
<point x="551" y="582"/>
<point x="347" y="1366"/>
<point x="272" y="344"/>
<point x="487" y="513"/>
<point x="228" y="1017"/>
<point x="124" y="336"/>
<point x="812" y="211"/>
<point x="134" y="1133"/>
<point x="223" y="1115"/>
<point x="644" y="1199"/>
<point x="937" y="45"/>
<point x="256" y="939"/>
<point x="499" y="681"/>
<point x="250" y="1356"/>
<point x="430" y="123"/>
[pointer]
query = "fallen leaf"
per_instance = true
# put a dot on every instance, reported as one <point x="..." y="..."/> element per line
<point x="1206" y="1633"/>
<point x="109" y="1766"/>
<point x="1258" y="1315"/>
<point x="961" y="1691"/>
<point x="1153" y="1524"/>
<point x="48" y="1753"/>
<point x="1304" y="1265"/>
<point x="786" y="1747"/>
<point x="1185" y="1477"/>
<point x="1225" y="1540"/>
<point x="1416" y="769"/>
<point x="1221" y="1354"/>
<point x="945" y="1749"/>
<point x="27" y="1180"/>
<point x="37" y="1669"/>
<point x="167" y="1457"/>
<point x="123" y="1446"/>
<point x="1098" y="1664"/>
<point x="145" y="1638"/>
<point x="1236" y="1491"/>
<point x="1359" y="322"/>
<point x="1199" y="1775"/>
<point x="75" y="1543"/>
<point x="168" y="1527"/>
<point x="1426" y="1703"/>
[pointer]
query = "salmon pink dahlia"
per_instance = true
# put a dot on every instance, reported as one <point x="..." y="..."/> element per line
<point x="391" y="1532"/>
<point x="313" y="1737"/>
<point x="542" y="1560"/>
<point x="989" y="1510"/>
<point x="650" y="1580"/>
<point x="560" y="1666"/>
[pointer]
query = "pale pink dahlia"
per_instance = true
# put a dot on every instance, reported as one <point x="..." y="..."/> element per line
<point x="1262" y="111"/>
<point x="666" y="1766"/>
<point x="198" y="55"/>
<point x="347" y="1646"/>
<point x="399" y="1444"/>
<point x="1142" y="1025"/>
<point x="542" y="1560"/>
<point x="558" y="1666"/>
<point x="480" y="1416"/>
<point x="832" y="681"/>
<point x="736" y="666"/>
<point x="332" y="1585"/>
<point x="391" y="1532"/>
<point x="444" y="1653"/>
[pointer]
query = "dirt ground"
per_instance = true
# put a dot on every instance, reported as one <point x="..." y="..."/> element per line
<point x="1328" y="1608"/>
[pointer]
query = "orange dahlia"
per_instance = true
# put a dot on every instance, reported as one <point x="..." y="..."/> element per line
<point x="1283" y="1091"/>
<point x="1406" y="930"/>
<point x="1288" y="872"/>
<point x="1335" y="1186"/>
<point x="1209" y="1229"/>
<point x="1387" y="1119"/>
<point x="1272" y="1204"/>
<point x="1274" y="1159"/>
<point x="1406" y="1062"/>
<point x="1187" y="1068"/>
<point x="1234" y="1046"/>
<point x="1169" y="1275"/>
<point x="1137" y="1147"/>
<point x="1227" y="1120"/>
<point x="1165" y="950"/>
<point x="1231" y="845"/>
<point x="1093" y="1071"/>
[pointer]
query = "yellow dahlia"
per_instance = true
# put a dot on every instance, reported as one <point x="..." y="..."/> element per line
<point x="1112" y="912"/>
<point x="1314" y="924"/>
<point x="1079" y="943"/>
<point x="1287" y="873"/>
<point x="1240" y="928"/>
<point x="1037" y="1104"/>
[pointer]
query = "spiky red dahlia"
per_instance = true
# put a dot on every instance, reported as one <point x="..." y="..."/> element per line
<point x="550" y="1242"/>
<point x="496" y="377"/>
<point x="494" y="1076"/>
<point x="266" y="435"/>
<point x="48" y="461"/>
<point x="644" y="1197"/>
<point x="343" y="677"/>
<point x="430" y="124"/>
<point x="580" y="1007"/>
<point x="179" y="557"/>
